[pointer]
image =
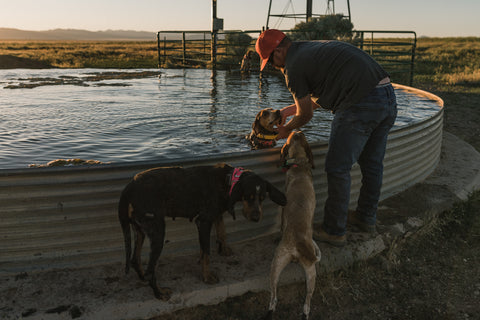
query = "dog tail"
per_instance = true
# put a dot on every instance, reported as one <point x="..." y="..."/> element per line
<point x="124" y="219"/>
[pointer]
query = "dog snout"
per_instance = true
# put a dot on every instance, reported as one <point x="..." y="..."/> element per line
<point x="252" y="212"/>
<point x="256" y="215"/>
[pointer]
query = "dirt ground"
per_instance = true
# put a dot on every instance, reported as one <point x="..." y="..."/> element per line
<point x="433" y="275"/>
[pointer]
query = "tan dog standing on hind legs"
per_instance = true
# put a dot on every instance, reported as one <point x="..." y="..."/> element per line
<point x="296" y="244"/>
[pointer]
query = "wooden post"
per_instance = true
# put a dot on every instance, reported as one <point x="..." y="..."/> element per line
<point x="309" y="11"/>
<point x="412" y="64"/>
<point x="213" y="48"/>
<point x="184" y="46"/>
<point x="158" y="51"/>
<point x="164" y="50"/>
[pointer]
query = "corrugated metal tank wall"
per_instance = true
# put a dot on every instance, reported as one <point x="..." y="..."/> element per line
<point x="67" y="217"/>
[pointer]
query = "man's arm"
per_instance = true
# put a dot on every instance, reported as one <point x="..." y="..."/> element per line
<point x="304" y="112"/>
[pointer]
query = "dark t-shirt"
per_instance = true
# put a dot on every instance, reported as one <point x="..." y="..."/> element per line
<point x="336" y="74"/>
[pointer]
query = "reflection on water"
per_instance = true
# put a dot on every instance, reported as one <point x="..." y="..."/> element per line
<point x="182" y="113"/>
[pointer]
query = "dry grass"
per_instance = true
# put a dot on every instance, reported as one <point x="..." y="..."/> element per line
<point x="85" y="54"/>
<point x="448" y="62"/>
<point x="467" y="77"/>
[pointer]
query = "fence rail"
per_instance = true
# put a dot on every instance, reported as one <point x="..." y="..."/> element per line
<point x="396" y="55"/>
<point x="394" y="50"/>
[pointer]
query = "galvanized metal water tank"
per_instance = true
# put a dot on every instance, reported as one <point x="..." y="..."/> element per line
<point x="67" y="217"/>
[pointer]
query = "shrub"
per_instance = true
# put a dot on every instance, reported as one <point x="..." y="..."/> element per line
<point x="237" y="43"/>
<point x="329" y="27"/>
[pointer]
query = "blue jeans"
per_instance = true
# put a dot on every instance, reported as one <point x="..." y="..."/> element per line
<point x="358" y="134"/>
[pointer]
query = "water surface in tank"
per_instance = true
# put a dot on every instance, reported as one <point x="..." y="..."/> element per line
<point x="135" y="115"/>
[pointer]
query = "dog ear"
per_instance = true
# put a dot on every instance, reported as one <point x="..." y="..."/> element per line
<point x="256" y="124"/>
<point x="283" y="155"/>
<point x="276" y="195"/>
<point x="309" y="153"/>
<point x="307" y="149"/>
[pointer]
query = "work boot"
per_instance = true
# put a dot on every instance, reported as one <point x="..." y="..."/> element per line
<point x="354" y="220"/>
<point x="322" y="236"/>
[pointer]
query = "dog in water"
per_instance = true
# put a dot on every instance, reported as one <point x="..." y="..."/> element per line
<point x="200" y="193"/>
<point x="296" y="244"/>
<point x="263" y="134"/>
<point x="247" y="61"/>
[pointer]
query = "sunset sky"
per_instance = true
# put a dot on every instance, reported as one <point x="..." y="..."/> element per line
<point x="426" y="17"/>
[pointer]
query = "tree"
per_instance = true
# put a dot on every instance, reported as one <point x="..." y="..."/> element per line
<point x="329" y="27"/>
<point x="238" y="43"/>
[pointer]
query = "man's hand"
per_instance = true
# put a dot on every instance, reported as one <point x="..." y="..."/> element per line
<point x="302" y="111"/>
<point x="283" y="132"/>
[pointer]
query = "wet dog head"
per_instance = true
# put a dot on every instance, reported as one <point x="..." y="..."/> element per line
<point x="296" y="150"/>
<point x="263" y="128"/>
<point x="251" y="189"/>
<point x="265" y="121"/>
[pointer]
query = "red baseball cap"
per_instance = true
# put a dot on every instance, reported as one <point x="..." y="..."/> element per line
<point x="266" y="43"/>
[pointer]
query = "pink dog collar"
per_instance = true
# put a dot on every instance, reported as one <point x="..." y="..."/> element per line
<point x="237" y="172"/>
<point x="289" y="163"/>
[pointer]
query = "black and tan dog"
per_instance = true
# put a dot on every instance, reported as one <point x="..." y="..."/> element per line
<point x="296" y="244"/>
<point x="202" y="193"/>
<point x="263" y="133"/>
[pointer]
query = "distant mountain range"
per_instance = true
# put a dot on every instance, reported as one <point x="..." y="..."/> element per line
<point x="75" y="34"/>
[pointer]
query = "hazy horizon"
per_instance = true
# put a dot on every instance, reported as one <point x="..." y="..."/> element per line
<point x="430" y="18"/>
<point x="12" y="34"/>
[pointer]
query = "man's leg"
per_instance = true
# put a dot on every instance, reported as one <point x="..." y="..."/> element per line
<point x="371" y="162"/>
<point x="365" y="125"/>
<point x="347" y="140"/>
